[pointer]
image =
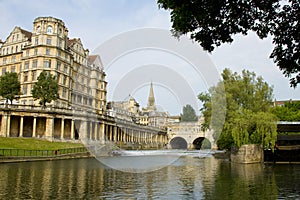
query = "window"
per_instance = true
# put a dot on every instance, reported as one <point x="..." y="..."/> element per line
<point x="47" y="63"/>
<point x="64" y="80"/>
<point x="35" y="52"/>
<point x="13" y="69"/>
<point x="58" y="66"/>
<point x="4" y="60"/>
<point x="25" y="90"/>
<point x="59" y="53"/>
<point x="47" y="51"/>
<point x="27" y="52"/>
<point x="12" y="50"/>
<point x="34" y="63"/>
<point x="57" y="77"/>
<point x="60" y="43"/>
<point x="13" y="38"/>
<point x="16" y="48"/>
<point x="65" y="68"/>
<point x="36" y="41"/>
<point x="64" y="92"/>
<point x="38" y="29"/>
<point x="33" y="75"/>
<point x="26" y="64"/>
<point x="13" y="59"/>
<point x="3" y="70"/>
<point x="49" y="29"/>
<point x="25" y="77"/>
<point x="48" y="41"/>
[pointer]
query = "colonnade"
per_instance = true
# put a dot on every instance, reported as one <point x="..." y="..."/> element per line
<point x="64" y="127"/>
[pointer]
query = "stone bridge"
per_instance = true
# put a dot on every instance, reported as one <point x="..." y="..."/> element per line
<point x="188" y="135"/>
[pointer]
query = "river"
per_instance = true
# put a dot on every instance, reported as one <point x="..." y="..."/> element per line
<point x="188" y="177"/>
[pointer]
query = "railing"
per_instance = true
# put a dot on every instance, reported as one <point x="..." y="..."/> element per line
<point x="41" y="153"/>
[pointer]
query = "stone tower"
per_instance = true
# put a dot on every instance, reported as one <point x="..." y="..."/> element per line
<point x="151" y="100"/>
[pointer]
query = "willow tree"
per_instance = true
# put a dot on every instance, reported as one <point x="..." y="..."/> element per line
<point x="249" y="118"/>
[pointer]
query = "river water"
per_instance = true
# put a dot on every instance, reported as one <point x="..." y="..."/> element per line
<point x="188" y="177"/>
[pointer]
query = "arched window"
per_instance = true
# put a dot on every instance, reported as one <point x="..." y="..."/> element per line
<point x="49" y="29"/>
<point x="38" y="29"/>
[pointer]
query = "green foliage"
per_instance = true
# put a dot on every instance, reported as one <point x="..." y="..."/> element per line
<point x="213" y="22"/>
<point x="290" y="111"/>
<point x="10" y="86"/>
<point x="248" y="118"/>
<point x="45" y="89"/>
<point x="188" y="114"/>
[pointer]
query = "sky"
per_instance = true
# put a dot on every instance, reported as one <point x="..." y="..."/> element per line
<point x="131" y="38"/>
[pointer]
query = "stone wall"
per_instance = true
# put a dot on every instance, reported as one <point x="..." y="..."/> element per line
<point x="250" y="153"/>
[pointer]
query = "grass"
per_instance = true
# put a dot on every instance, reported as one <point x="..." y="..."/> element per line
<point x="35" y="144"/>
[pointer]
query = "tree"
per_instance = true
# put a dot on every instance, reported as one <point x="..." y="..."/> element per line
<point x="10" y="86"/>
<point x="290" y="111"/>
<point x="188" y="114"/>
<point x="248" y="118"/>
<point x="45" y="89"/>
<point x="213" y="22"/>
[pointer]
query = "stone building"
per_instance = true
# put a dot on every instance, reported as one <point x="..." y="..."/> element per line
<point x="150" y="116"/>
<point x="130" y="110"/>
<point x="80" y="76"/>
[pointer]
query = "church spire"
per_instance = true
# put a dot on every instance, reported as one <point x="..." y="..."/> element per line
<point x="151" y="99"/>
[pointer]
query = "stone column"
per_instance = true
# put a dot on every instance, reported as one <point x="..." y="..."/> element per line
<point x="96" y="131"/>
<point x="3" y="125"/>
<point x="21" y="126"/>
<point x="8" y="126"/>
<point x="115" y="134"/>
<point x="102" y="131"/>
<point x="123" y="134"/>
<point x="83" y="130"/>
<point x="49" y="127"/>
<point x="110" y="132"/>
<point x="91" y="130"/>
<point x="62" y="128"/>
<point x="72" y="129"/>
<point x="34" y="127"/>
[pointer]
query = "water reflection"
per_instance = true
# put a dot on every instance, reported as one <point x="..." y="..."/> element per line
<point x="187" y="178"/>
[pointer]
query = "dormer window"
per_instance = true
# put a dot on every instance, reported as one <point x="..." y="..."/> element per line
<point x="49" y="29"/>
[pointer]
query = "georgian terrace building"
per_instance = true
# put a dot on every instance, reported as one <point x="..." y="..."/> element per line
<point x="80" y="76"/>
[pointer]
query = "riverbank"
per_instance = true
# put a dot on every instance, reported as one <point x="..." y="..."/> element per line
<point x="14" y="159"/>
<point x="33" y="149"/>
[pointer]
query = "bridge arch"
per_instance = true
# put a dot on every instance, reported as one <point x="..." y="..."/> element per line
<point x="201" y="143"/>
<point x="197" y="143"/>
<point x="178" y="143"/>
